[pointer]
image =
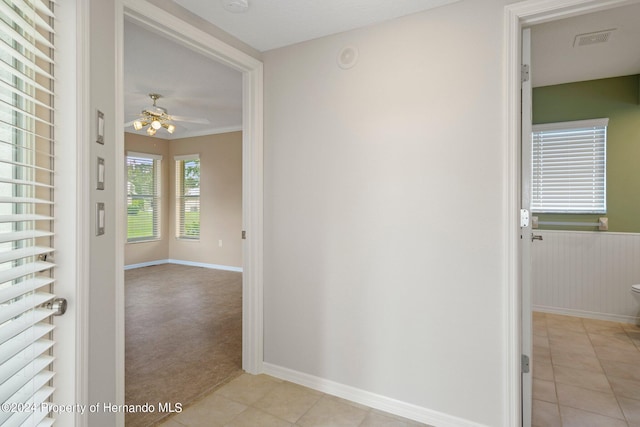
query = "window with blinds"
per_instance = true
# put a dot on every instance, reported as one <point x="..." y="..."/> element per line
<point x="26" y="209"/>
<point x="188" y="197"/>
<point x="569" y="167"/>
<point x="143" y="197"/>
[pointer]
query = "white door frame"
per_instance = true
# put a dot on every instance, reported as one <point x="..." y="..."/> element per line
<point x="525" y="13"/>
<point x="152" y="17"/>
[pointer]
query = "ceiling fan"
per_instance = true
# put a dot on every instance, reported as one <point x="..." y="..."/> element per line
<point x="157" y="117"/>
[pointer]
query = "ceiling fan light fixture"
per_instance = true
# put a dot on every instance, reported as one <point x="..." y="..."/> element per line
<point x="156" y="117"/>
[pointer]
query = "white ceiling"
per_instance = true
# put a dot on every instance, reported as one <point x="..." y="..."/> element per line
<point x="195" y="86"/>
<point x="190" y="84"/>
<point x="555" y="60"/>
<point x="269" y="24"/>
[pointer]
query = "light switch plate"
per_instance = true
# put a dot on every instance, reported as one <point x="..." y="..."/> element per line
<point x="100" y="172"/>
<point x="100" y="218"/>
<point x="99" y="127"/>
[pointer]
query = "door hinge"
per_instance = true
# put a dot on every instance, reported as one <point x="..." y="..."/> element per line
<point x="524" y="218"/>
<point x="244" y="235"/>
<point x="524" y="73"/>
<point x="525" y="364"/>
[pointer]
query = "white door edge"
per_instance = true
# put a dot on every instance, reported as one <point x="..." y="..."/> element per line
<point x="72" y="210"/>
<point x="525" y="242"/>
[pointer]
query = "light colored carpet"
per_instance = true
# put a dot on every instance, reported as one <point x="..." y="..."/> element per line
<point x="183" y="335"/>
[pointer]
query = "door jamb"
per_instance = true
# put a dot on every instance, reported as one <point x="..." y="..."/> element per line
<point x="516" y="16"/>
<point x="158" y="20"/>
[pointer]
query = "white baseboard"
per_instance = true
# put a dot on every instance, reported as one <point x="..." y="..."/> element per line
<point x="373" y="400"/>
<point x="182" y="262"/>
<point x="146" y="264"/>
<point x="588" y="314"/>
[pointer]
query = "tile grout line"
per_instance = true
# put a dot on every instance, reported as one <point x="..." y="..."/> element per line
<point x="615" y="396"/>
<point x="553" y="371"/>
<point x="614" y="393"/>
<point x="604" y="372"/>
<point x="295" y="423"/>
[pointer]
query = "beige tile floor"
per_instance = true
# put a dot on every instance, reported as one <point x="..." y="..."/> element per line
<point x="586" y="373"/>
<point x="264" y="401"/>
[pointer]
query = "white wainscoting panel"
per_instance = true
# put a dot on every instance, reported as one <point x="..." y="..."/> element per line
<point x="588" y="274"/>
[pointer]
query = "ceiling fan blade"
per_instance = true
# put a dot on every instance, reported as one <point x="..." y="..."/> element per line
<point x="190" y="120"/>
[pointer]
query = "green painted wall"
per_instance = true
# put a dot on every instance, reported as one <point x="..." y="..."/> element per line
<point x="618" y="99"/>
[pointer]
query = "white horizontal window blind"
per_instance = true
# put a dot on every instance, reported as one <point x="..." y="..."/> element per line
<point x="143" y="196"/>
<point x="569" y="167"/>
<point x="188" y="197"/>
<point x="26" y="210"/>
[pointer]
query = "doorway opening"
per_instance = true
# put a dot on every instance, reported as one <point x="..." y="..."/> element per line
<point x="183" y="256"/>
<point x="519" y="16"/>
<point x="249" y="138"/>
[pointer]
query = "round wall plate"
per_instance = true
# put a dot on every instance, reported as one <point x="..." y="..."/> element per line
<point x="348" y="57"/>
<point x="236" y="6"/>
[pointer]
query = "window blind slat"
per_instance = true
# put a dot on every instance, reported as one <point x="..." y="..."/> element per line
<point x="24" y="287"/>
<point x="23" y="235"/>
<point x="24" y="270"/>
<point x="23" y="340"/>
<point x="24" y="182"/>
<point x="27" y="44"/>
<point x="36" y="418"/>
<point x="19" y="75"/>
<point x="31" y="200"/>
<point x="26" y="166"/>
<point x="23" y="95"/>
<point x="24" y="358"/>
<point x="25" y="383"/>
<point x="29" y="27"/>
<point x="17" y="387"/>
<point x="21" y="324"/>
<point x="24" y="217"/>
<point x="20" y="4"/>
<point x="21" y="305"/>
<point x="42" y="6"/>
<point x="22" y="113"/>
<point x="27" y="394"/>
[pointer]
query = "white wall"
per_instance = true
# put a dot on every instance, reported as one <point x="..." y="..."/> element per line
<point x="383" y="211"/>
<point x="102" y="353"/>
<point x="587" y="274"/>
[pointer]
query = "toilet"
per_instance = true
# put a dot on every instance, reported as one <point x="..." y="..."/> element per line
<point x="635" y="290"/>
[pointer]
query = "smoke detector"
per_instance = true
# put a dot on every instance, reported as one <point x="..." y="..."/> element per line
<point x="593" y="38"/>
<point x="236" y="6"/>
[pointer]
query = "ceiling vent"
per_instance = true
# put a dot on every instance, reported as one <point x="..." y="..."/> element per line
<point x="593" y="38"/>
<point x="236" y="6"/>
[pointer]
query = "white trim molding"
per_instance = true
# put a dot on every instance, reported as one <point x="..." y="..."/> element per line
<point x="373" y="400"/>
<point x="182" y="262"/>
<point x="516" y="16"/>
<point x="619" y="318"/>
